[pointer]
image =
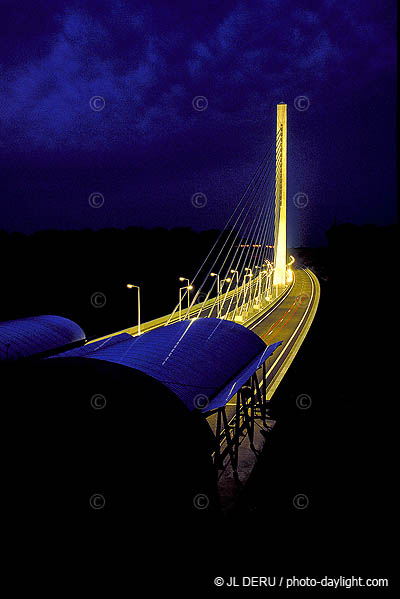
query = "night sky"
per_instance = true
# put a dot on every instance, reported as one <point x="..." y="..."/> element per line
<point x="148" y="103"/>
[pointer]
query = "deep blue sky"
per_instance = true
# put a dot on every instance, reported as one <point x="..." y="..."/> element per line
<point x="147" y="151"/>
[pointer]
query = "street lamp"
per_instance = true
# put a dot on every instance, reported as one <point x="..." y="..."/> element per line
<point x="235" y="272"/>
<point x="130" y="286"/>
<point x="250" y="274"/>
<point x="214" y="274"/>
<point x="188" y="282"/>
<point x="258" y="301"/>
<point x="222" y="284"/>
<point x="289" y="272"/>
<point x="237" y="276"/>
<point x="268" y="284"/>
<point x="188" y="287"/>
<point x="269" y="271"/>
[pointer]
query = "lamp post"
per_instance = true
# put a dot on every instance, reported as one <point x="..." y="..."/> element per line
<point x="270" y="287"/>
<point x="250" y="274"/>
<point x="188" y="282"/>
<point x="268" y="278"/>
<point x="188" y="287"/>
<point x="289" y="272"/>
<point x="130" y="286"/>
<point x="222" y="284"/>
<point x="258" y="304"/>
<point x="237" y="287"/>
<point x="214" y="274"/>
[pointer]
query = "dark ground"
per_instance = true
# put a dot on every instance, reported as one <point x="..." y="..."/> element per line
<point x="338" y="452"/>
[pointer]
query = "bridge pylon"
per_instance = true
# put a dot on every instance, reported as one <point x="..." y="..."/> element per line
<point x="279" y="277"/>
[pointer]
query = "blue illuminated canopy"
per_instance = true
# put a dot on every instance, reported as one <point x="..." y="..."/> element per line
<point x="25" y="337"/>
<point x="203" y="361"/>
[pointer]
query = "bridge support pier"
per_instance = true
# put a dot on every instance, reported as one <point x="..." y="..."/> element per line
<point x="251" y="405"/>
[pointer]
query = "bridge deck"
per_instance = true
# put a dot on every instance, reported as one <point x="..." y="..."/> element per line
<point x="286" y="319"/>
<point x="289" y="320"/>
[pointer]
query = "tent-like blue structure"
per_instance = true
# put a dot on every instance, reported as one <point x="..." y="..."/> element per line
<point x="25" y="337"/>
<point x="203" y="361"/>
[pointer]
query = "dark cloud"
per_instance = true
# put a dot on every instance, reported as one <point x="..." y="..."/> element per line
<point x="149" y="60"/>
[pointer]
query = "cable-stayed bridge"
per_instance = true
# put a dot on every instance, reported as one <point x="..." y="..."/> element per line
<point x="248" y="278"/>
<point x="209" y="368"/>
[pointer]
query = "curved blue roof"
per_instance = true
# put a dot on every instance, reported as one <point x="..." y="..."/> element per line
<point x="204" y="361"/>
<point x="29" y="336"/>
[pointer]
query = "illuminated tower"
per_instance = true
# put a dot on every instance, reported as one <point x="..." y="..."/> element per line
<point x="279" y="277"/>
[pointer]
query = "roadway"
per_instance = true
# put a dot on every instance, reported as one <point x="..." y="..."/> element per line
<point x="288" y="320"/>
